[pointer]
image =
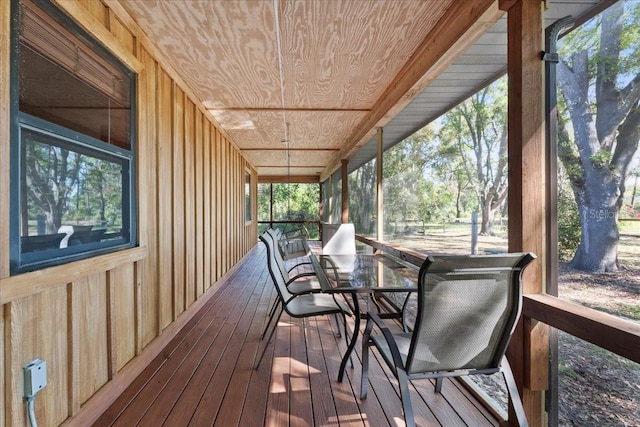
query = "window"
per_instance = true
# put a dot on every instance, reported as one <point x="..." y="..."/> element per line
<point x="247" y="196"/>
<point x="72" y="143"/>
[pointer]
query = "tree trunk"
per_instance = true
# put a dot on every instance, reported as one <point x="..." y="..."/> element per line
<point x="598" y="208"/>
<point x="488" y="216"/>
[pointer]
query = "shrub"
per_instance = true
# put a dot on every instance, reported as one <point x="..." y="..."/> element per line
<point x="568" y="225"/>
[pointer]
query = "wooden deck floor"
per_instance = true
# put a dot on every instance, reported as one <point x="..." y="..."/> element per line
<point x="205" y="376"/>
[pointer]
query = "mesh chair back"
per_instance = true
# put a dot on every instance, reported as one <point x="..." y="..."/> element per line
<point x="275" y="250"/>
<point x="274" y="270"/>
<point x="467" y="310"/>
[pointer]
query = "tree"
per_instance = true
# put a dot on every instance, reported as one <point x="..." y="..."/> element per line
<point x="477" y="131"/>
<point x="600" y="84"/>
<point x="406" y="189"/>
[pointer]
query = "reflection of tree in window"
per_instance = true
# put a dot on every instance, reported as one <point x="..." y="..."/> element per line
<point x="51" y="173"/>
<point x="65" y="187"/>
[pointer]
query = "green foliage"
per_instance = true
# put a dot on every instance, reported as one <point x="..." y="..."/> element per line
<point x="568" y="223"/>
<point x="601" y="159"/>
<point x="290" y="201"/>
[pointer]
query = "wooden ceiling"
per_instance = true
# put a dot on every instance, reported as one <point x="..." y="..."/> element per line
<point x="333" y="70"/>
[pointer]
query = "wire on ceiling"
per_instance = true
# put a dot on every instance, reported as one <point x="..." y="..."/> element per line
<point x="285" y="124"/>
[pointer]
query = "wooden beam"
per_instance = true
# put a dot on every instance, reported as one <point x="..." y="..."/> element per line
<point x="463" y="23"/>
<point x="412" y="257"/>
<point x="294" y="110"/>
<point x="284" y="179"/>
<point x="506" y="4"/>
<point x="528" y="352"/>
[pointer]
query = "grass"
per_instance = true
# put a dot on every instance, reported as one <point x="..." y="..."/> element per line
<point x="630" y="311"/>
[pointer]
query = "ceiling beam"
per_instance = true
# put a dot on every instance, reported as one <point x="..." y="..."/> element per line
<point x="269" y="149"/>
<point x="459" y="28"/>
<point x="284" y="179"/>
<point x="291" y="110"/>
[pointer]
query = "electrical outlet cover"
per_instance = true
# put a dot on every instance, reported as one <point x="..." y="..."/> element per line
<point x="35" y="376"/>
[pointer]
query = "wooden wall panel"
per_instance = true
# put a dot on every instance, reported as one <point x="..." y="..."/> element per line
<point x="147" y="196"/>
<point x="199" y="203"/>
<point x="218" y="199"/>
<point x="5" y="118"/>
<point x="165" y="207"/>
<point x="37" y="326"/>
<point x="122" y="326"/>
<point x="179" y="272"/>
<point x="89" y="339"/>
<point x="224" y="198"/>
<point x="189" y="215"/>
<point x="237" y="192"/>
<point x="207" y="204"/>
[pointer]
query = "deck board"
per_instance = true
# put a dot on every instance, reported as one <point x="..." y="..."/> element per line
<point x="206" y="377"/>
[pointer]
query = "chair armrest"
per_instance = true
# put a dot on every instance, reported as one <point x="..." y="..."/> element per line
<point x="296" y="277"/>
<point x="298" y="265"/>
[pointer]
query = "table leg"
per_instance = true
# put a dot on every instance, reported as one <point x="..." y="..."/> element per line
<point x="354" y="338"/>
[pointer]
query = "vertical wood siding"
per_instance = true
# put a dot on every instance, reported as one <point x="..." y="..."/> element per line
<point x="92" y="320"/>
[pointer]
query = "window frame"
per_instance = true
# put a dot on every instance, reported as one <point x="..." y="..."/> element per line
<point x="23" y="262"/>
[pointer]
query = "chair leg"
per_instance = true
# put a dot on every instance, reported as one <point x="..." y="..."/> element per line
<point x="276" y="304"/>
<point x="366" y="343"/>
<point x="338" y="334"/>
<point x="439" y="381"/>
<point x="364" y="377"/>
<point x="266" y="344"/>
<point x="514" y="395"/>
<point x="405" y="396"/>
<point x="346" y="336"/>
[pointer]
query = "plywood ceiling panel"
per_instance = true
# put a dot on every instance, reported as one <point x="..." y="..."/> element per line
<point x="335" y="59"/>
<point x="334" y="70"/>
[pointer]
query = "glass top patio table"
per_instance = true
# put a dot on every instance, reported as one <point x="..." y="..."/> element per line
<point x="366" y="274"/>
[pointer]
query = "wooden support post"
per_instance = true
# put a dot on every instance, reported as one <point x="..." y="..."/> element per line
<point x="528" y="352"/>
<point x="345" y="192"/>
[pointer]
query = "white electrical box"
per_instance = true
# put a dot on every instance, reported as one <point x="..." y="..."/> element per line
<point x="35" y="376"/>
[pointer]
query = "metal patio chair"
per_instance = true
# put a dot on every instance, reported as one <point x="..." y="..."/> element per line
<point x="468" y="307"/>
<point x="300" y="305"/>
<point x="302" y="283"/>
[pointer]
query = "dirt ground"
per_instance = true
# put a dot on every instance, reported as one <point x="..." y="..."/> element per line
<point x="596" y="388"/>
